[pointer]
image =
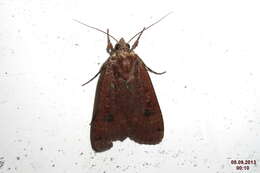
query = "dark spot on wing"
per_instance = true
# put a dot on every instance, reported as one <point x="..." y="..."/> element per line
<point x="147" y="112"/>
<point x="98" y="138"/>
<point x="109" y="118"/>
<point x="159" y="129"/>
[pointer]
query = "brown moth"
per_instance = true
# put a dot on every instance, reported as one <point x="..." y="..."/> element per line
<point x="125" y="102"/>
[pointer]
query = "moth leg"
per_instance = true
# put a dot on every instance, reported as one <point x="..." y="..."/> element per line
<point x="137" y="40"/>
<point x="91" y="79"/>
<point x="109" y="44"/>
<point x="150" y="70"/>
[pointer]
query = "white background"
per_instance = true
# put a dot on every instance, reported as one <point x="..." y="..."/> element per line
<point x="210" y="50"/>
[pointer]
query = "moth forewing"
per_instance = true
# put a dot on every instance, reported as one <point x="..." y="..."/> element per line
<point x="125" y="103"/>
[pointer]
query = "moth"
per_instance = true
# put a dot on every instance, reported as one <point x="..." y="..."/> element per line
<point x="125" y="103"/>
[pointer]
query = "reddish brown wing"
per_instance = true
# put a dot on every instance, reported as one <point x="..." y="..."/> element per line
<point x="107" y="123"/>
<point x="145" y="121"/>
<point x="125" y="105"/>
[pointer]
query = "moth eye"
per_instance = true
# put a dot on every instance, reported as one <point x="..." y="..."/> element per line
<point x="117" y="46"/>
<point x="128" y="46"/>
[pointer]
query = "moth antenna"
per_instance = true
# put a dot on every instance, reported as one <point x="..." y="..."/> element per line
<point x="150" y="26"/>
<point x="150" y="70"/>
<point x="96" y="29"/>
<point x="137" y="40"/>
<point x="91" y="79"/>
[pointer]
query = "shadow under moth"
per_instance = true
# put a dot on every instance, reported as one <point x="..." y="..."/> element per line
<point x="125" y="102"/>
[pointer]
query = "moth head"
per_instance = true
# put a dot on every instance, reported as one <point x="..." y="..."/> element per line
<point x="121" y="45"/>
